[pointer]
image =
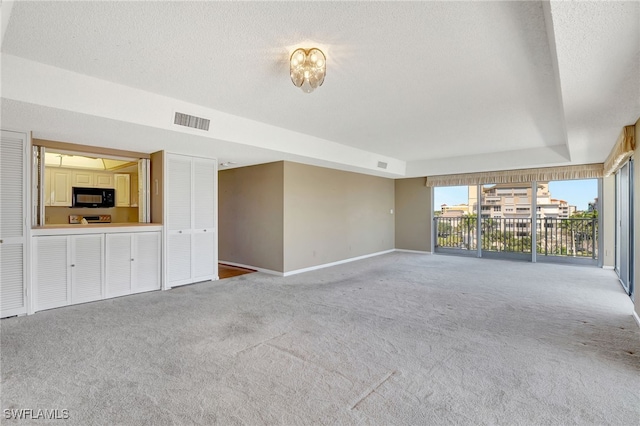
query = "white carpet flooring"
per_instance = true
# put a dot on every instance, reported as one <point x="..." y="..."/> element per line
<point x="395" y="339"/>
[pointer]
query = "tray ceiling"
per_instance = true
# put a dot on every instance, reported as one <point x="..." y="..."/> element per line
<point x="428" y="87"/>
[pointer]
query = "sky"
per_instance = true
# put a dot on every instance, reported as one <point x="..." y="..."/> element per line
<point x="576" y="192"/>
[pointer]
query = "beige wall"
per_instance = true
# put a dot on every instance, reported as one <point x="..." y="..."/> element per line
<point x="332" y="215"/>
<point x="636" y="217"/>
<point x="250" y="216"/>
<point x="60" y="215"/>
<point x="608" y="220"/>
<point x="413" y="207"/>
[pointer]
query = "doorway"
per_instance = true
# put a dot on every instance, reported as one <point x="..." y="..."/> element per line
<point x="624" y="227"/>
<point x="230" y="271"/>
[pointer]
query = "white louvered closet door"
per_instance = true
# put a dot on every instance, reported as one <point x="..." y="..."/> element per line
<point x="13" y="220"/>
<point x="178" y="221"/>
<point x="204" y="262"/>
<point x="204" y="178"/>
<point x="86" y="269"/>
<point x="118" y="264"/>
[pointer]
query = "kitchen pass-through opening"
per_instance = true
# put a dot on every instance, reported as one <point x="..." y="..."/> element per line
<point x="79" y="187"/>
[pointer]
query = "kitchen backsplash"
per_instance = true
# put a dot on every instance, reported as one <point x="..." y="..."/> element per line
<point x="60" y="215"/>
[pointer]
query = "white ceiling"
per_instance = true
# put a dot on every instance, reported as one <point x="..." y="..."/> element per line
<point x="427" y="87"/>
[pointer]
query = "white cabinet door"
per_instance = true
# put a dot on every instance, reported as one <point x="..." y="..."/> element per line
<point x="118" y="264"/>
<point x="103" y="180"/>
<point x="123" y="190"/>
<point x="13" y="221"/>
<point x="146" y="261"/>
<point x="87" y="267"/>
<point x="82" y="179"/>
<point x="51" y="272"/>
<point x="60" y="188"/>
<point x="70" y="269"/>
<point x="47" y="187"/>
<point x="132" y="263"/>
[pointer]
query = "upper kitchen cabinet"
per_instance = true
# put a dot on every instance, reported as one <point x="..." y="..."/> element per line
<point x="91" y="179"/>
<point x="58" y="184"/>
<point x="82" y="178"/>
<point x="60" y="187"/>
<point x="123" y="190"/>
<point x="103" y="180"/>
<point x="14" y="213"/>
<point x="189" y="192"/>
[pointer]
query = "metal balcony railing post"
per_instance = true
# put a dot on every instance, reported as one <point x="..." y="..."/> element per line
<point x="593" y="238"/>
<point x="546" y="234"/>
<point x="436" y="227"/>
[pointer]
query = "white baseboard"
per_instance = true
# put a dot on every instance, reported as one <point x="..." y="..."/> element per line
<point x="339" y="262"/>
<point x="255" y="268"/>
<point x="413" y="251"/>
<point x="636" y="317"/>
<point x="324" y="265"/>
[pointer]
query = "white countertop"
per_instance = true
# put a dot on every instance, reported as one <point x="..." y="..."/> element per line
<point x="94" y="228"/>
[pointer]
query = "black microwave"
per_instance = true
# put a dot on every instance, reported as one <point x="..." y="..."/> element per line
<point x="93" y="197"/>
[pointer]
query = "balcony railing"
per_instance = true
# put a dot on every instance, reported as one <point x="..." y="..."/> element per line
<point x="573" y="237"/>
<point x="577" y="237"/>
<point x="456" y="232"/>
<point x="506" y="235"/>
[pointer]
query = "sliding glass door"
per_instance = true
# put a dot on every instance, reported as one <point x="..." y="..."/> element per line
<point x="624" y="227"/>
<point x="554" y="221"/>
<point x="568" y="221"/>
<point x="506" y="223"/>
<point x="455" y="220"/>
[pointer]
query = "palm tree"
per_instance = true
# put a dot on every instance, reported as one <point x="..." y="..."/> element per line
<point x="444" y="228"/>
<point x="586" y="230"/>
<point x="490" y="234"/>
<point x="469" y="223"/>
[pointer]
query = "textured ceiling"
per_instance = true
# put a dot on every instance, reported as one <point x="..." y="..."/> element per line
<point x="598" y="47"/>
<point x="434" y="84"/>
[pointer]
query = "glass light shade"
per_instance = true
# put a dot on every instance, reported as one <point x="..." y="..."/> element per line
<point x="307" y="68"/>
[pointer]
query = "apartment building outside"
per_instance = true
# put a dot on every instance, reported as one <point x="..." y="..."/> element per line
<point x="513" y="201"/>
<point x="457" y="210"/>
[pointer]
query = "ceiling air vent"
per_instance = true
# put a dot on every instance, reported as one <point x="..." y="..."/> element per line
<point x="382" y="165"/>
<point x="191" y="121"/>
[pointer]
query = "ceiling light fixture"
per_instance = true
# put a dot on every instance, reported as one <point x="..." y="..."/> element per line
<point x="308" y="68"/>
